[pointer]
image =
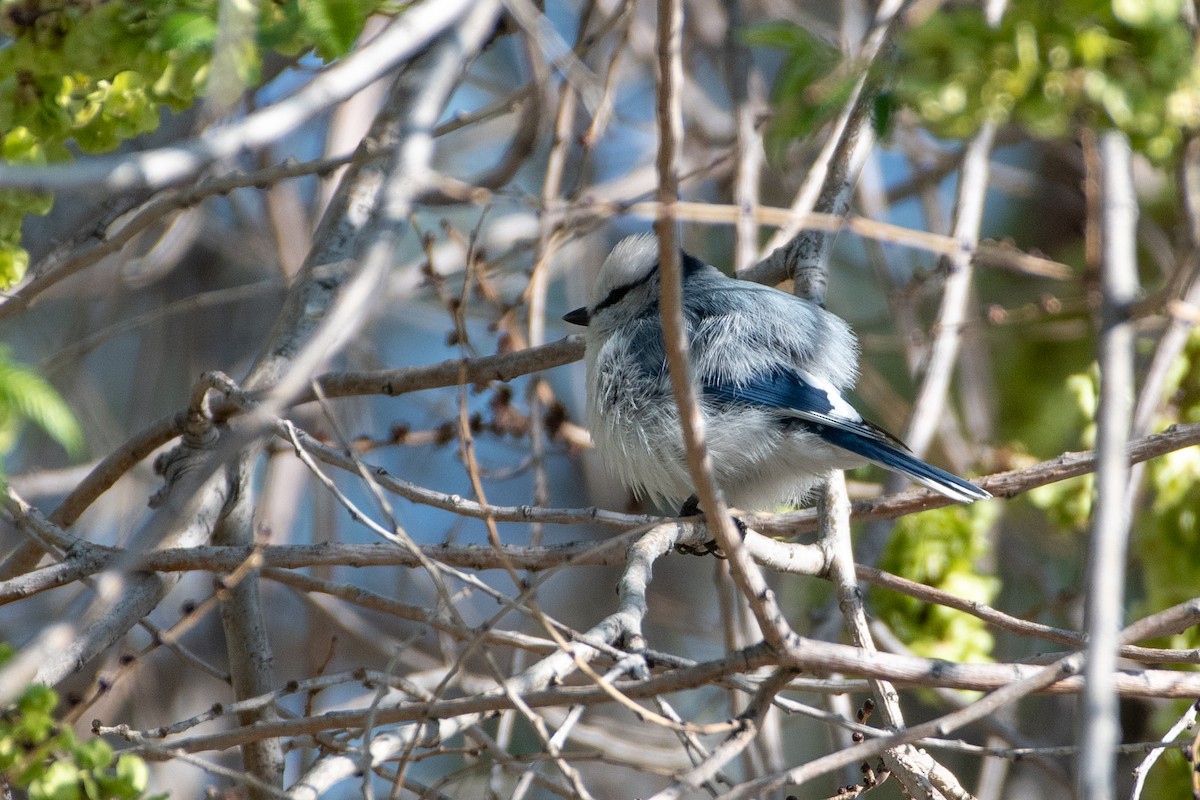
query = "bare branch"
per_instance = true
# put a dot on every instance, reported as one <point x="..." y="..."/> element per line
<point x="932" y="396"/>
<point x="830" y="180"/>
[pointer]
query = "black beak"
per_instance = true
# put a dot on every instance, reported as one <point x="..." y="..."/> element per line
<point x="579" y="316"/>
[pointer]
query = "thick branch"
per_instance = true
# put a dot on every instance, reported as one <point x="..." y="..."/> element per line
<point x="1110" y="524"/>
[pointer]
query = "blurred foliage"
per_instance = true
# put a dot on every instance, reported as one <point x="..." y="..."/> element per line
<point x="1166" y="540"/>
<point x="941" y="548"/>
<point x="1050" y="67"/>
<point x="1167" y="536"/>
<point x="49" y="763"/>
<point x="811" y="86"/>
<point x="1068" y="504"/>
<point x="1054" y="67"/>
<point x="26" y="397"/>
<point x="96" y="74"/>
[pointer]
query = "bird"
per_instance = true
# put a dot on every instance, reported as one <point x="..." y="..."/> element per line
<point x="771" y="369"/>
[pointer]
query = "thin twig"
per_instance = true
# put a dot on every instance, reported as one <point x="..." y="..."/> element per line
<point x="831" y="177"/>
<point x="952" y="315"/>
<point x="1184" y="723"/>
<point x="749" y="724"/>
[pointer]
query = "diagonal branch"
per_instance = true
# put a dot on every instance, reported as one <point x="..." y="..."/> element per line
<point x="794" y="252"/>
<point x="956" y="294"/>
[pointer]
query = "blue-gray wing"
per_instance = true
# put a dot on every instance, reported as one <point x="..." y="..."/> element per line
<point x="822" y="410"/>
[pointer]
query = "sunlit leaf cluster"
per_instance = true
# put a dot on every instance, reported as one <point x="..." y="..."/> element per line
<point x="1167" y="533"/>
<point x="48" y="762"/>
<point x="91" y="75"/>
<point x="943" y="549"/>
<point x="1068" y="504"/>
<point x="1168" y="536"/>
<point x="1054" y="67"/>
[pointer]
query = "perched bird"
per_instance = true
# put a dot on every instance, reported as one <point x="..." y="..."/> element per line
<point x="771" y="369"/>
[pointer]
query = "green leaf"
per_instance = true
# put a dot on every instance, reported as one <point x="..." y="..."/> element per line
<point x="95" y="74"/>
<point x="1142" y="13"/>
<point x="20" y="146"/>
<point x="25" y="394"/>
<point x="785" y="36"/>
<point x="334" y="24"/>
<point x="1052" y="67"/>
<point x="133" y="773"/>
<point x="93" y="754"/>
<point x="14" y="261"/>
<point x="189" y="31"/>
<point x="807" y="90"/>
<point x="38" y="699"/>
<point x="59" y="782"/>
<point x="885" y="105"/>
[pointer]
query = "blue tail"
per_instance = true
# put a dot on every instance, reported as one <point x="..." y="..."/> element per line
<point x="890" y="457"/>
<point x="818" y="405"/>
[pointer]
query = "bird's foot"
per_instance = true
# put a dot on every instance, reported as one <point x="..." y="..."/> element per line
<point x="709" y="547"/>
<point x="691" y="508"/>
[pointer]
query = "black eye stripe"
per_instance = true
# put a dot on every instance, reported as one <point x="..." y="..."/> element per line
<point x="616" y="294"/>
<point x="690" y="263"/>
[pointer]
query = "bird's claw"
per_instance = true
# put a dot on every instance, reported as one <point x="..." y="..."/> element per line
<point x="690" y="509"/>
<point x="708" y="548"/>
